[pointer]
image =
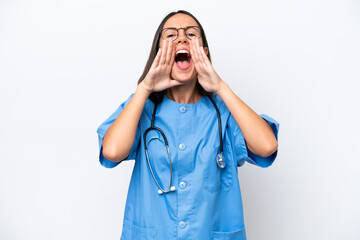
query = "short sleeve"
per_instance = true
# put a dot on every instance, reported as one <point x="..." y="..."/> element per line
<point x="101" y="133"/>
<point x="242" y="153"/>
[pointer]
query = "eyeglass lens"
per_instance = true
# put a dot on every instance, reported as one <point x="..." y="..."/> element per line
<point x="172" y="34"/>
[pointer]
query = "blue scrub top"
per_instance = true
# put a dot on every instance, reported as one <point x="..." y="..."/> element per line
<point x="207" y="201"/>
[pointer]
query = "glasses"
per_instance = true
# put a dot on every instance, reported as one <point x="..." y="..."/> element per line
<point x="191" y="32"/>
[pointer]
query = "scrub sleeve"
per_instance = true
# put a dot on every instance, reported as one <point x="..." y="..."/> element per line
<point x="101" y="133"/>
<point x="242" y="152"/>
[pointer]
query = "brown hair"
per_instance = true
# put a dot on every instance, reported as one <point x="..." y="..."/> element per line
<point x="158" y="96"/>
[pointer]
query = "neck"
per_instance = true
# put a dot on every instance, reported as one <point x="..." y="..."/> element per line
<point x="185" y="94"/>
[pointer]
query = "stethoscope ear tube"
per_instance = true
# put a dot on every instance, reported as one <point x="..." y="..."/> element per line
<point x="220" y="160"/>
<point x="171" y="188"/>
<point x="161" y="191"/>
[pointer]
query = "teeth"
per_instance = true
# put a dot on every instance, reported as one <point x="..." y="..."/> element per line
<point x="182" y="51"/>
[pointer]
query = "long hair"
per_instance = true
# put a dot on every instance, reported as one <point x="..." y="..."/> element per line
<point x="158" y="96"/>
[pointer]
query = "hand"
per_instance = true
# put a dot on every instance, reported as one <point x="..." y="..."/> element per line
<point x="158" y="77"/>
<point x="207" y="76"/>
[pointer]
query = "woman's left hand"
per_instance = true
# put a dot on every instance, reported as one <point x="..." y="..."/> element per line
<point x="207" y="76"/>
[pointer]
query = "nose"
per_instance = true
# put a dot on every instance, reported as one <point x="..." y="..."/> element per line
<point x="182" y="36"/>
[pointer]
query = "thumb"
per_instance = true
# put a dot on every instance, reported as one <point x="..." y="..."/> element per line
<point x="174" y="82"/>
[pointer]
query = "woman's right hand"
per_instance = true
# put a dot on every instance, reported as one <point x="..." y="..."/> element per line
<point x="158" y="77"/>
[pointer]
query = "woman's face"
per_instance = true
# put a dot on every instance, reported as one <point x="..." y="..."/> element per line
<point x="182" y="70"/>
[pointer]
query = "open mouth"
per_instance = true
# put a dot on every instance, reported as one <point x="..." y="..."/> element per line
<point x="183" y="59"/>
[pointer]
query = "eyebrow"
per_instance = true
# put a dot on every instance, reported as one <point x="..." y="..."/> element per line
<point x="178" y="28"/>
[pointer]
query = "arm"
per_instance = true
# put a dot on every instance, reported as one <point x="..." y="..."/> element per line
<point x="120" y="136"/>
<point x="259" y="136"/>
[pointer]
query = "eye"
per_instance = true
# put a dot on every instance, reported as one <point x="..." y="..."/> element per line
<point x="170" y="35"/>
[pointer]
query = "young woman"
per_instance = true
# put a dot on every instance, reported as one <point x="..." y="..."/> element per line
<point x="188" y="132"/>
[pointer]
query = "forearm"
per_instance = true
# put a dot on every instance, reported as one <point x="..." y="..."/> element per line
<point x="257" y="132"/>
<point x="120" y="136"/>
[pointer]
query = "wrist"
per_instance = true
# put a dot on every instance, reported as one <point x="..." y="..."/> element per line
<point x="143" y="89"/>
<point x="222" y="88"/>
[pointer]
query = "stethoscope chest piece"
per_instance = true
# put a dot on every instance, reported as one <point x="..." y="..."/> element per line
<point x="220" y="160"/>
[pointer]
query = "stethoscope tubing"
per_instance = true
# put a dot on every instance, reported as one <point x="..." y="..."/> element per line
<point x="219" y="157"/>
<point x="219" y="122"/>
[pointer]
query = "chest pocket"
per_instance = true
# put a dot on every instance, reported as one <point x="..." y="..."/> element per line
<point x="217" y="178"/>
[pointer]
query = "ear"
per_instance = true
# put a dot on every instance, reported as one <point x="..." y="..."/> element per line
<point x="206" y="50"/>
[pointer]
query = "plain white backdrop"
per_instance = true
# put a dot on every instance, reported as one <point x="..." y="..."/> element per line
<point x="65" y="66"/>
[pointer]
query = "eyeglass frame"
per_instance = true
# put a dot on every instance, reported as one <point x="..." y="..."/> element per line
<point x="177" y="30"/>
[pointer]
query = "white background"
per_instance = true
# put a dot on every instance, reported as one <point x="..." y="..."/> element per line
<point x="65" y="66"/>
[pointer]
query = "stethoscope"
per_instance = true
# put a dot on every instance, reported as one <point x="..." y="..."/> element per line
<point x="220" y="160"/>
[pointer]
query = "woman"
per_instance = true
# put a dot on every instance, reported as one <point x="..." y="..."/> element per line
<point x="189" y="190"/>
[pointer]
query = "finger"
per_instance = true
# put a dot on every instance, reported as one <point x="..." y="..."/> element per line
<point x="204" y="57"/>
<point x="163" y="54"/>
<point x="198" y="59"/>
<point x="193" y="52"/>
<point x="157" y="58"/>
<point x="174" y="83"/>
<point x="172" y="60"/>
<point x="198" y="50"/>
<point x="201" y="59"/>
<point x="202" y="54"/>
<point x="169" y="52"/>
